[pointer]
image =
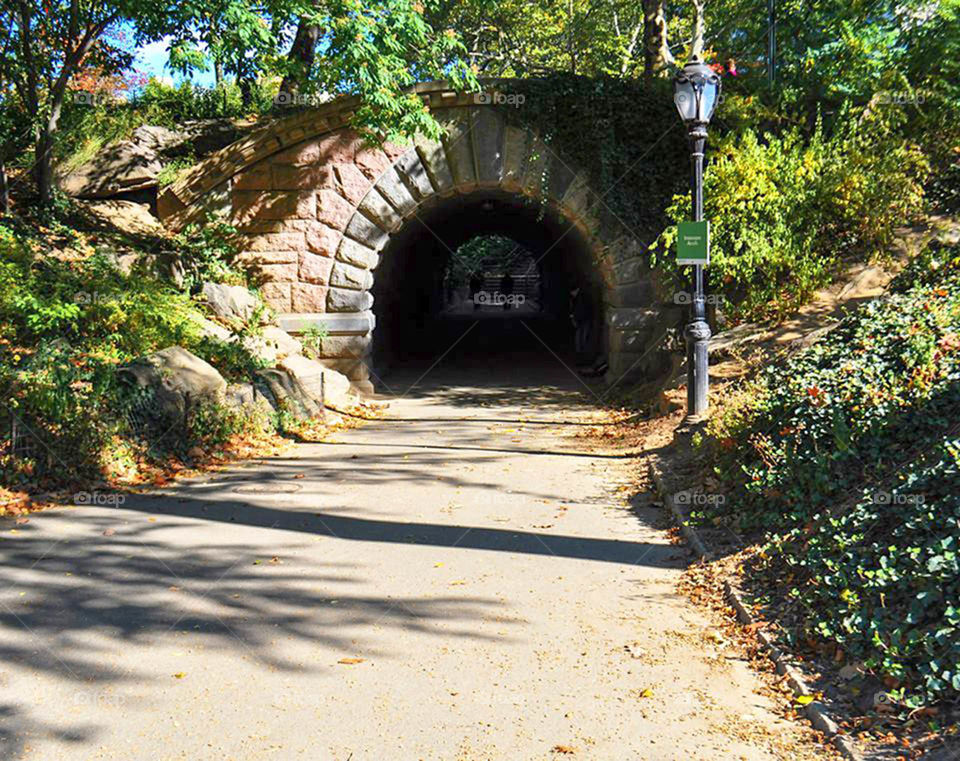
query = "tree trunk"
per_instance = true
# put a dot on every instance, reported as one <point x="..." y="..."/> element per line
<point x="301" y="57"/>
<point x="246" y="90"/>
<point x="696" y="46"/>
<point x="656" y="51"/>
<point x="43" y="170"/>
<point x="4" y="188"/>
<point x="44" y="157"/>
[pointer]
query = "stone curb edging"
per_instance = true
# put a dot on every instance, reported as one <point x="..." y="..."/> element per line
<point x="816" y="712"/>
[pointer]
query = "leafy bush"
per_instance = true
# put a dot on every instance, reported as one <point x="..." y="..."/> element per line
<point x="846" y="456"/>
<point x="68" y="318"/>
<point x="786" y="210"/>
<point x="207" y="252"/>
<point x="171" y="105"/>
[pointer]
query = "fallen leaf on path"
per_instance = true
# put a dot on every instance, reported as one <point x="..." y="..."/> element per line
<point x="109" y="532"/>
<point x="646" y="693"/>
<point x="299" y="475"/>
<point x="805" y="699"/>
<point x="351" y="661"/>
<point x="568" y="750"/>
<point x="179" y="675"/>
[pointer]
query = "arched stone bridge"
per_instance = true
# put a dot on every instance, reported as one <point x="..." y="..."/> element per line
<point x="324" y="217"/>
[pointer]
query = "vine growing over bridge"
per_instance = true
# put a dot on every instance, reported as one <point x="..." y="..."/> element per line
<point x="625" y="134"/>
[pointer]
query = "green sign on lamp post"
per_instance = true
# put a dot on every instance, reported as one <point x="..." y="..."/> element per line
<point x="693" y="243"/>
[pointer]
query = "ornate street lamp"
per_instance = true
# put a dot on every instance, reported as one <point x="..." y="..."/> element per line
<point x="696" y="90"/>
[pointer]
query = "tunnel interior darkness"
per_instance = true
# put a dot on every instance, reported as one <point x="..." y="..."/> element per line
<point x="413" y="320"/>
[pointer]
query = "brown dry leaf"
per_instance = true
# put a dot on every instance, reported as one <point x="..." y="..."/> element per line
<point x="351" y="661"/>
<point x="567" y="750"/>
<point x="109" y="532"/>
<point x="299" y="475"/>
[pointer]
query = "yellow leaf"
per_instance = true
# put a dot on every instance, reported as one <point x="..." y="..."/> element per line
<point x="805" y="699"/>
<point x="179" y="675"/>
<point x="351" y="661"/>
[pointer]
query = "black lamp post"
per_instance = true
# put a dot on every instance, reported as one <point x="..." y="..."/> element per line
<point x="696" y="90"/>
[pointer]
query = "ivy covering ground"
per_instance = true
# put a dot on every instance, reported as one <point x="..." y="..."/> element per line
<point x="846" y="457"/>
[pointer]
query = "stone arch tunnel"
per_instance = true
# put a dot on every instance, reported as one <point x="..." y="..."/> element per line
<point x="346" y="235"/>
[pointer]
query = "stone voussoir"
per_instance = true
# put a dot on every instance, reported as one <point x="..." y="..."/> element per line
<point x="363" y="230"/>
<point x="345" y="275"/>
<point x="357" y="254"/>
<point x="346" y="300"/>
<point x="414" y="175"/>
<point x="375" y="206"/>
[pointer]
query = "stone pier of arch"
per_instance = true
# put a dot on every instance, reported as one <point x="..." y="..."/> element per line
<point x="316" y="206"/>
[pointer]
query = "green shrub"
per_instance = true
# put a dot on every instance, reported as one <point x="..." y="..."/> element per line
<point x="207" y="252"/>
<point x="785" y="211"/>
<point x="170" y="105"/>
<point x="68" y="318"/>
<point x="846" y="457"/>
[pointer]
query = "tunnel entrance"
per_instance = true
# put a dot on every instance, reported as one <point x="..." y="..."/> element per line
<point x="486" y="281"/>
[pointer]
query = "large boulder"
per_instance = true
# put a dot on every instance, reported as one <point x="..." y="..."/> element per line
<point x="232" y="303"/>
<point x="178" y="380"/>
<point x="336" y="389"/>
<point x="122" y="167"/>
<point x="272" y="344"/>
<point x="134" y="164"/>
<point x="129" y="217"/>
<point x="305" y="387"/>
<point x="211" y="329"/>
<point x="286" y="392"/>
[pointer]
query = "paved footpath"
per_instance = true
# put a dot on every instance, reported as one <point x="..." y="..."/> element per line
<point x="455" y="582"/>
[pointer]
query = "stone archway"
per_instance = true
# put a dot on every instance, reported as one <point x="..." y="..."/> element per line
<point x="317" y="207"/>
